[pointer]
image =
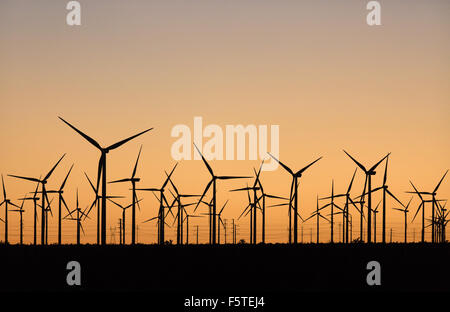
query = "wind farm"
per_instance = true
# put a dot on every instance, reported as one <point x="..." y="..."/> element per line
<point x="225" y="145"/>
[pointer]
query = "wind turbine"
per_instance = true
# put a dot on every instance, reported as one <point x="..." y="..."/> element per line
<point x="252" y="206"/>
<point x="79" y="214"/>
<point x="386" y="192"/>
<point x="133" y="181"/>
<point x="60" y="202"/>
<point x="405" y="211"/>
<point x="123" y="215"/>
<point x="369" y="173"/>
<point x="34" y="199"/>
<point x="180" y="218"/>
<point x="262" y="199"/>
<point x="7" y="202"/>
<point x="219" y="216"/>
<point x="20" y="211"/>
<point x="43" y="182"/>
<point x="332" y="204"/>
<point x="213" y="181"/>
<point x="317" y="214"/>
<point x="348" y="201"/>
<point x="162" y="199"/>
<point x="187" y="226"/>
<point x="375" y="211"/>
<point x="433" y="203"/>
<point x="102" y="170"/>
<point x="294" y="188"/>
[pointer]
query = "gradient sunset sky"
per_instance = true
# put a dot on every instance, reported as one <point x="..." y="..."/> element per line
<point x="315" y="68"/>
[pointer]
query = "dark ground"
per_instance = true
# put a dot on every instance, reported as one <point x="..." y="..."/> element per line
<point x="225" y="269"/>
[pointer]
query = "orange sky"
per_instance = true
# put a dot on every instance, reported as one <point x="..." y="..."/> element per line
<point x="314" y="68"/>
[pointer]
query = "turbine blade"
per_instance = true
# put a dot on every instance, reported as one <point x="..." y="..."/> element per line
<point x="120" y="143"/>
<point x="23" y="178"/>
<point x="385" y="172"/>
<point x="65" y="180"/>
<point x="231" y="177"/>
<point x="168" y="177"/>
<point x="304" y="169"/>
<point x="89" y="139"/>
<point x="204" y="161"/>
<point x="54" y="167"/>
<point x="137" y="160"/>
<point x="421" y="205"/>
<point x="282" y="165"/>
<point x="356" y="162"/>
<point x="351" y="181"/>
<point x="203" y="195"/>
<point x="393" y="196"/>
<point x="376" y="165"/>
<point x="119" y="181"/>
<point x="439" y="184"/>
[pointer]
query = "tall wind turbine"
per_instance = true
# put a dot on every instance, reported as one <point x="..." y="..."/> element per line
<point x="6" y="202"/>
<point x="123" y="216"/>
<point x="102" y="170"/>
<point x="20" y="211"/>
<point x="43" y="182"/>
<point x="294" y="189"/>
<point x="34" y="199"/>
<point x="187" y="226"/>
<point x="162" y="199"/>
<point x="348" y="201"/>
<point x="61" y="202"/>
<point x="180" y="217"/>
<point x="79" y="214"/>
<point x="212" y="182"/>
<point x="369" y="173"/>
<point x="332" y="205"/>
<point x="405" y="211"/>
<point x="133" y="181"/>
<point x="317" y="214"/>
<point x="386" y="192"/>
<point x="433" y="203"/>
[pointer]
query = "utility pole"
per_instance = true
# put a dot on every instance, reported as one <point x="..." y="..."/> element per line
<point x="391" y="235"/>
<point x="234" y="233"/>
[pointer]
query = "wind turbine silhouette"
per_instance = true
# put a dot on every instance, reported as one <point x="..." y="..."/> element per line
<point x="6" y="202"/>
<point x="433" y="203"/>
<point x="133" y="181"/>
<point x="213" y="181"/>
<point x="79" y="214"/>
<point x="294" y="188"/>
<point x="123" y="215"/>
<point x="317" y="214"/>
<point x="187" y="226"/>
<point x="386" y="192"/>
<point x="263" y="207"/>
<point x="179" y="217"/>
<point x="369" y="173"/>
<point x="34" y="199"/>
<point x="162" y="199"/>
<point x="20" y="211"/>
<point x="348" y="201"/>
<point x="60" y="202"/>
<point x="405" y="211"/>
<point x="252" y="206"/>
<point x="43" y="182"/>
<point x="332" y="204"/>
<point x="102" y="171"/>
<point x="375" y="211"/>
